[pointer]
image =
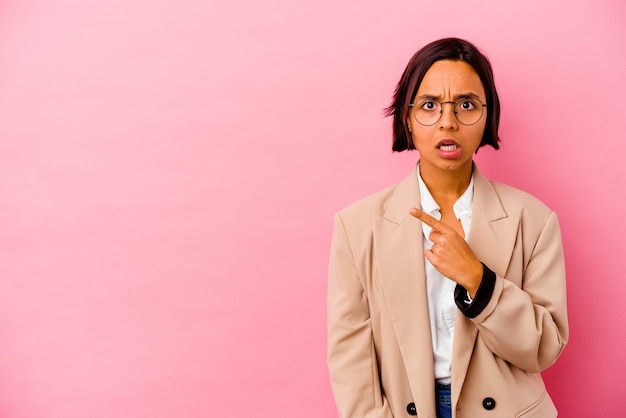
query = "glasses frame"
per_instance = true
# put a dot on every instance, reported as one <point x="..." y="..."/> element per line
<point x="455" y="112"/>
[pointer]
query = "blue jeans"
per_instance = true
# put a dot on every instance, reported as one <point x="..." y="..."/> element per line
<point x="443" y="398"/>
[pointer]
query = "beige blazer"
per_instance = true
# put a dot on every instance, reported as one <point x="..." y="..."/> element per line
<point x="380" y="355"/>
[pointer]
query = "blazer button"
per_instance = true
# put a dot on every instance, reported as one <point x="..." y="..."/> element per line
<point x="489" y="403"/>
<point x="410" y="408"/>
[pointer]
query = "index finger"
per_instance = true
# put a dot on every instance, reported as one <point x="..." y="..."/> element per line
<point x="429" y="220"/>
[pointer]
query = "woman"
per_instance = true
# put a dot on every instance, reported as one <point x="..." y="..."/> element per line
<point x="446" y="292"/>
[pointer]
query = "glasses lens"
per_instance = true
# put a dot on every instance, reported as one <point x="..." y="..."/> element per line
<point x="468" y="111"/>
<point x="427" y="111"/>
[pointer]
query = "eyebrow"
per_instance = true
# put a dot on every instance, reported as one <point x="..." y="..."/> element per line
<point x="455" y="98"/>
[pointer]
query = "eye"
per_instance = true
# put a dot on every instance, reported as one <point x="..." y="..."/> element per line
<point x="466" y="105"/>
<point x="428" y="105"/>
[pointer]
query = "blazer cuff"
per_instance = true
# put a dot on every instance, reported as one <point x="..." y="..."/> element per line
<point x="481" y="298"/>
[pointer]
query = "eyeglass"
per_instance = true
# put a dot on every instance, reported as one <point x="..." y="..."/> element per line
<point x="467" y="110"/>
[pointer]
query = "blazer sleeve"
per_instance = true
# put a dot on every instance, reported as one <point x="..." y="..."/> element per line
<point x="352" y="360"/>
<point x="527" y="326"/>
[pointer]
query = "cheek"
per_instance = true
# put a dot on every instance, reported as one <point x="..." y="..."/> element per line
<point x="424" y="136"/>
<point x="481" y="131"/>
<point x="417" y="138"/>
<point x="478" y="132"/>
<point x="477" y="136"/>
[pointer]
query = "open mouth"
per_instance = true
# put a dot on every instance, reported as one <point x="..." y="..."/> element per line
<point x="448" y="146"/>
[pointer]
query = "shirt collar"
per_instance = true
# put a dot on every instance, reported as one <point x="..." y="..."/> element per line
<point x="462" y="207"/>
<point x="427" y="201"/>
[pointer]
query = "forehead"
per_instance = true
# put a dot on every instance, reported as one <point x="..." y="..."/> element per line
<point x="450" y="78"/>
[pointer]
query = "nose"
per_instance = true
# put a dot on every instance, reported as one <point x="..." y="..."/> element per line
<point x="448" y="118"/>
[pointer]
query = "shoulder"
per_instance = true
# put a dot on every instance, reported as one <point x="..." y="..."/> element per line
<point x="392" y="203"/>
<point x="514" y="195"/>
<point x="370" y="206"/>
<point x="521" y="203"/>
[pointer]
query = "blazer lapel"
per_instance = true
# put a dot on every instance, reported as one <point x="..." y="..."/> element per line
<point x="493" y="231"/>
<point x="398" y="250"/>
<point x="492" y="238"/>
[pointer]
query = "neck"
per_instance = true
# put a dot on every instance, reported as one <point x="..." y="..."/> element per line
<point x="446" y="185"/>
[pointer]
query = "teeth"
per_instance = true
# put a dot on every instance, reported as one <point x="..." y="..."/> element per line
<point x="451" y="147"/>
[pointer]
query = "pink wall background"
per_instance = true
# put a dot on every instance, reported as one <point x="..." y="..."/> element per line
<point x="169" y="171"/>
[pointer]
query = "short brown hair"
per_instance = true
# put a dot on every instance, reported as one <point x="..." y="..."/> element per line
<point x="453" y="49"/>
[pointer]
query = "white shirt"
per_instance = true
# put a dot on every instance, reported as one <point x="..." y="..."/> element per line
<point x="440" y="289"/>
